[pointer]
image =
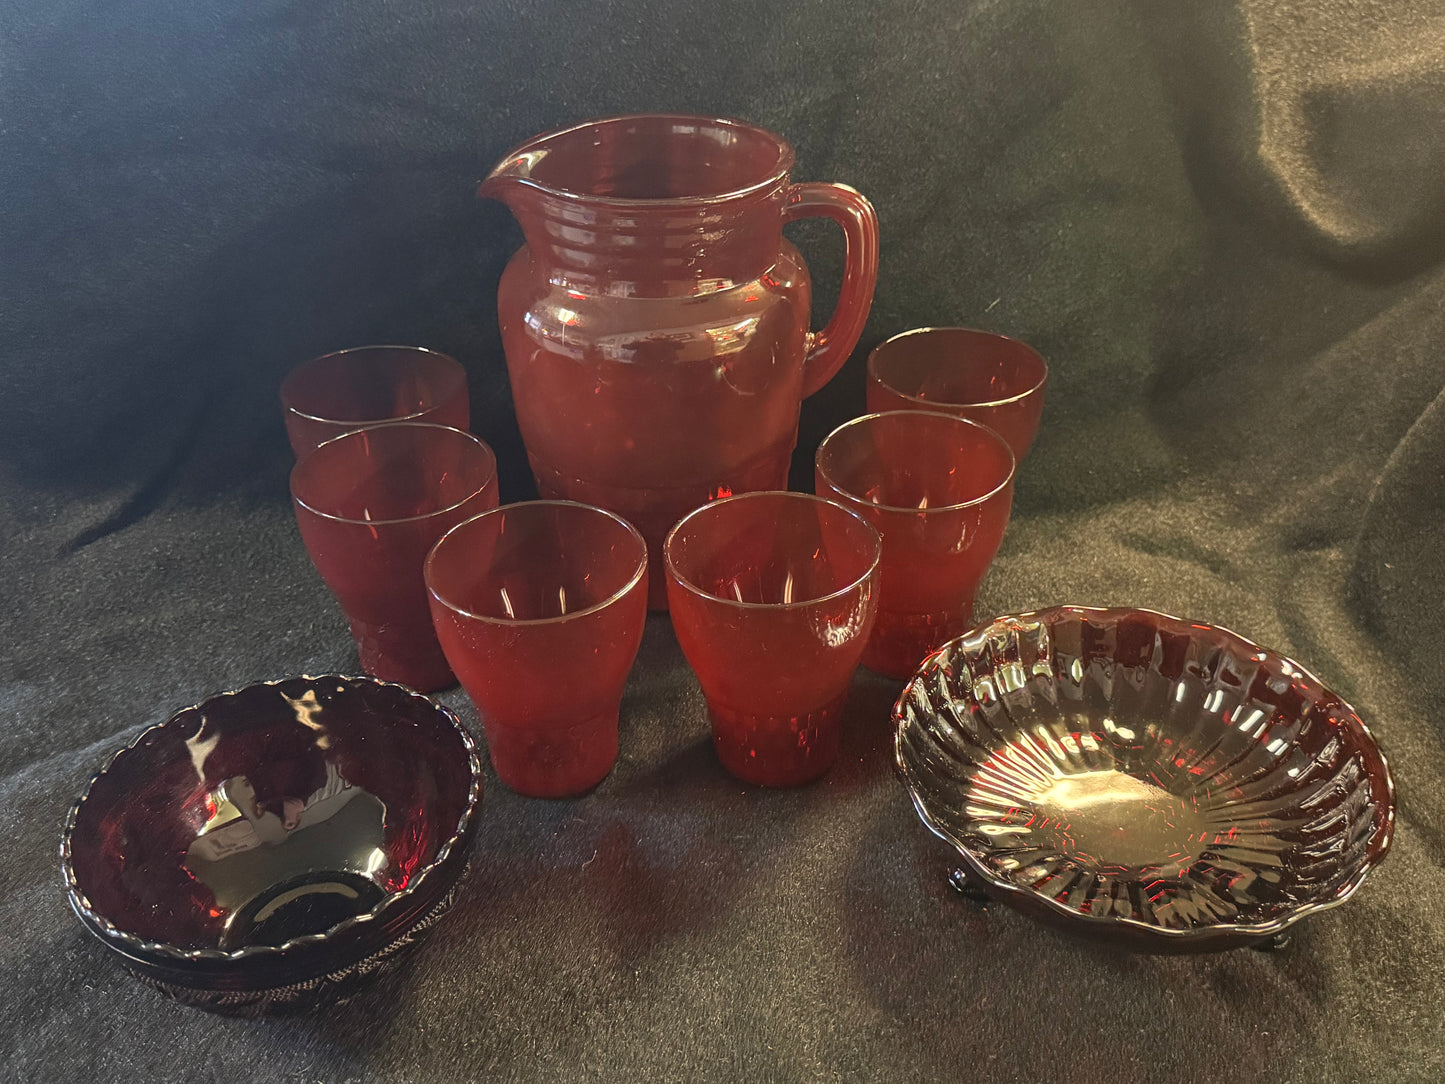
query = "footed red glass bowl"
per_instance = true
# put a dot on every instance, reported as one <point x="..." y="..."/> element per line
<point x="1123" y="774"/>
<point x="266" y="847"/>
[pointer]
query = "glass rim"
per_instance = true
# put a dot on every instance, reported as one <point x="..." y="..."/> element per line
<point x="872" y="368"/>
<point x="862" y="418"/>
<point x="798" y="604"/>
<point x="397" y="424"/>
<point x="778" y="174"/>
<point x="286" y="404"/>
<point x="492" y="619"/>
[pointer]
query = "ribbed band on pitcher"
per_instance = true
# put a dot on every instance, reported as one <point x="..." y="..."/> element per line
<point x="666" y="249"/>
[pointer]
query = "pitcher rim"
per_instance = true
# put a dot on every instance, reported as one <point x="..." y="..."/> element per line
<point x="786" y="159"/>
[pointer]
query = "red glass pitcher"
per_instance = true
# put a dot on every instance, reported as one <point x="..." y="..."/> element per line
<point x="656" y="320"/>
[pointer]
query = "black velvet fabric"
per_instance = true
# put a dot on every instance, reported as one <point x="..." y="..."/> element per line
<point x="1221" y="223"/>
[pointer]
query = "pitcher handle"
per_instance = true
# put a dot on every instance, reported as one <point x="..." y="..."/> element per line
<point x="829" y="349"/>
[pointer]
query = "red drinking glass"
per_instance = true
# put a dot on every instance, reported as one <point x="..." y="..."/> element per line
<point x="370" y="505"/>
<point x="956" y="370"/>
<point x="772" y="598"/>
<point x="539" y="607"/>
<point x="369" y="385"/>
<point x="939" y="489"/>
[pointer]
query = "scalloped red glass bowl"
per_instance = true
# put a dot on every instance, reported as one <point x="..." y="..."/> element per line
<point x="350" y="389"/>
<point x="540" y="608"/>
<point x="370" y="505"/>
<point x="992" y="379"/>
<point x="772" y="598"/>
<point x="1122" y="774"/>
<point x="270" y="836"/>
<point x="939" y="490"/>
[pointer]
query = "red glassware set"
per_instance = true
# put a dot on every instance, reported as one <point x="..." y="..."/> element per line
<point x="262" y="847"/>
<point x="655" y="326"/>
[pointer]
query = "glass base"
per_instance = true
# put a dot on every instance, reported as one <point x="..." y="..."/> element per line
<point x="554" y="760"/>
<point x="777" y="750"/>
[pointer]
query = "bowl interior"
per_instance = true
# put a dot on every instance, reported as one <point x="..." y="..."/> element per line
<point x="271" y="813"/>
<point x="1127" y="766"/>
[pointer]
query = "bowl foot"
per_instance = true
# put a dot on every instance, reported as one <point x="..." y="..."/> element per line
<point x="1273" y="943"/>
<point x="968" y="886"/>
<point x="333" y="989"/>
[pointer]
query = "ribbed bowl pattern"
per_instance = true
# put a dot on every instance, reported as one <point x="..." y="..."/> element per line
<point x="1127" y="774"/>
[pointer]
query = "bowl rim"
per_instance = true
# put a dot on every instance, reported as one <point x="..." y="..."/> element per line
<point x="135" y="946"/>
<point x="1381" y="836"/>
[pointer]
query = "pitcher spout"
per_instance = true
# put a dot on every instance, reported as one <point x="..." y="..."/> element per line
<point x="509" y="178"/>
